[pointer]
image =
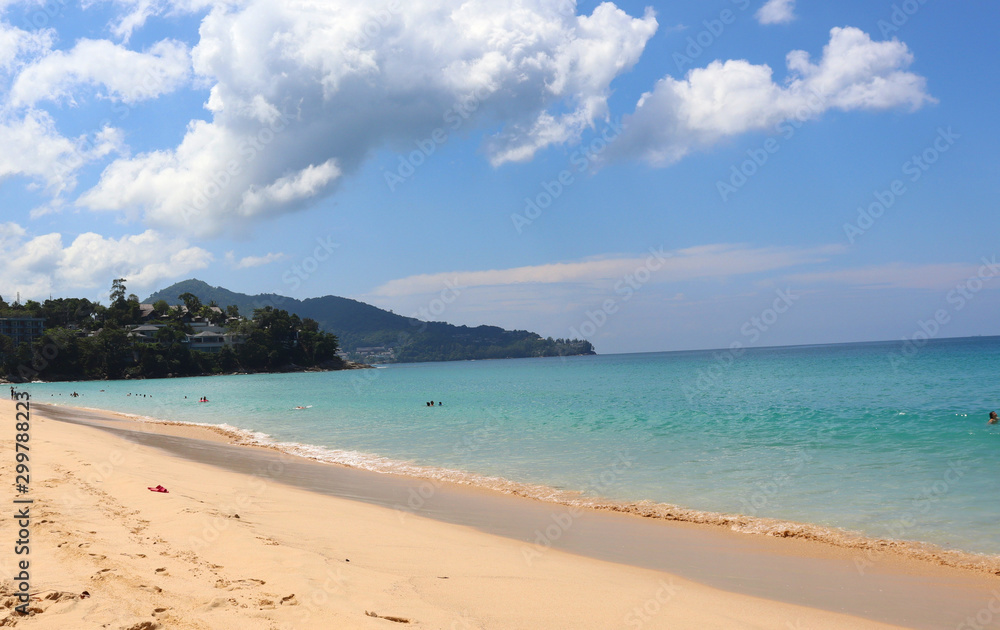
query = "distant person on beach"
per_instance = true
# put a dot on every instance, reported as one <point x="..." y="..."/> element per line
<point x="993" y="417"/>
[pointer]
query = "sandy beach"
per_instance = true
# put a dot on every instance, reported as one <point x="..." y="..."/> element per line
<point x="230" y="549"/>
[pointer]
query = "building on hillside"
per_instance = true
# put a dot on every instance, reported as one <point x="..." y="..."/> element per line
<point x="204" y="336"/>
<point x="213" y="340"/>
<point x="22" y="329"/>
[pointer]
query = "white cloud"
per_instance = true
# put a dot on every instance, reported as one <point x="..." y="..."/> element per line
<point x="134" y="13"/>
<point x="304" y="92"/>
<point x="126" y="75"/>
<point x="776" y="12"/>
<point x="39" y="265"/>
<point x="248" y="262"/>
<point x="702" y="262"/>
<point x="33" y="148"/>
<point x="16" y="44"/>
<point x="938" y="276"/>
<point x="729" y="98"/>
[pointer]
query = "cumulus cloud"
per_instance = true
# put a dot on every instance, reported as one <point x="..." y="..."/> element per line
<point x="733" y="97"/>
<point x="39" y="265"/>
<point x="776" y="12"/>
<point x="126" y="75"/>
<point x="304" y="92"/>
<point x="17" y="44"/>
<point x="34" y="148"/>
<point x="693" y="263"/>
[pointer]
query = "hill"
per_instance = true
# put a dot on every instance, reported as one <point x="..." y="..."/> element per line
<point x="368" y="333"/>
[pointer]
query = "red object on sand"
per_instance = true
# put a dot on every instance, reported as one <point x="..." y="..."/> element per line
<point x="158" y="489"/>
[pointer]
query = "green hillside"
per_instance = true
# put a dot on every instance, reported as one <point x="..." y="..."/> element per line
<point x="386" y="336"/>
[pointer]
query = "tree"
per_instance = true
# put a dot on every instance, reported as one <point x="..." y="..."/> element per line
<point x="118" y="291"/>
<point x="161" y="308"/>
<point x="228" y="361"/>
<point x="191" y="301"/>
<point x="218" y="318"/>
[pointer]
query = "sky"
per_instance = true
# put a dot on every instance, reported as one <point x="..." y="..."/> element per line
<point x="645" y="175"/>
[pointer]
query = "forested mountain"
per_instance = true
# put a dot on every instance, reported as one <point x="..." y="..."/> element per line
<point x="385" y="336"/>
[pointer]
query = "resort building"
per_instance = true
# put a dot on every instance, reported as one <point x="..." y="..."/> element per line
<point x="213" y="340"/>
<point x="22" y="329"/>
<point x="204" y="336"/>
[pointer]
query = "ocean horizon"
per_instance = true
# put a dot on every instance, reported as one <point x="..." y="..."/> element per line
<point x="878" y="438"/>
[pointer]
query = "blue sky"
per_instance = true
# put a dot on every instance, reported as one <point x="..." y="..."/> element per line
<point x="650" y="176"/>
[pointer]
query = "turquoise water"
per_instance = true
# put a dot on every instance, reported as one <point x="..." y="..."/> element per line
<point x="834" y="435"/>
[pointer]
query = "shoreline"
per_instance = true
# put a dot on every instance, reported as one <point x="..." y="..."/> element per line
<point x="291" y="369"/>
<point x="743" y="524"/>
<point x="231" y="550"/>
<point x="880" y="581"/>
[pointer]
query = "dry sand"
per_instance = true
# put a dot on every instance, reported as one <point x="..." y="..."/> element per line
<point x="229" y="550"/>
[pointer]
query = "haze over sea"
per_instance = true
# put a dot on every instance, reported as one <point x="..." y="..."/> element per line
<point x="837" y="435"/>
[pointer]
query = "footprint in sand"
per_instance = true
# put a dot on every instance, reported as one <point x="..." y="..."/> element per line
<point x="241" y="584"/>
<point x="219" y="602"/>
<point x="163" y="571"/>
<point x="289" y="600"/>
<point x="387" y="617"/>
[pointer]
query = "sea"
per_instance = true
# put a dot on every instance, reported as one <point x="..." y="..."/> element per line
<point x="886" y="440"/>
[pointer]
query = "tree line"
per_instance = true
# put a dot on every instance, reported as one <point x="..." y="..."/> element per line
<point x="85" y="340"/>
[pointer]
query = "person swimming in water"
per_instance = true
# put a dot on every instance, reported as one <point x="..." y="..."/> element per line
<point x="993" y="417"/>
